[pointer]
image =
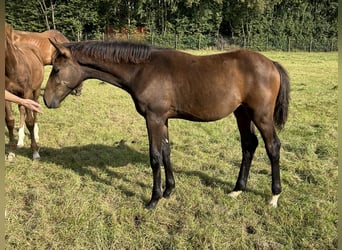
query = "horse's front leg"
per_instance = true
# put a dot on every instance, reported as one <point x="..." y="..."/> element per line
<point x="21" y="131"/>
<point x="30" y="123"/>
<point x="166" y="152"/>
<point x="159" y="153"/>
<point x="10" y="126"/>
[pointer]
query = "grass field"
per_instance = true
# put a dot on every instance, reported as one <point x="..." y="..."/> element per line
<point x="90" y="187"/>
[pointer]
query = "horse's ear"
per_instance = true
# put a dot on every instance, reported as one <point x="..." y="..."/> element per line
<point x="61" y="49"/>
<point x="9" y="31"/>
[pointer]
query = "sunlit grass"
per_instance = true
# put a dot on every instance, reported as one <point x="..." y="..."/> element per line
<point x="89" y="189"/>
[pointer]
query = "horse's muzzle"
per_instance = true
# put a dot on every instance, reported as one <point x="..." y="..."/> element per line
<point x="52" y="102"/>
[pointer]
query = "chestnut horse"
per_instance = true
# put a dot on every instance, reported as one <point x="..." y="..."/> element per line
<point x="166" y="83"/>
<point x="41" y="41"/>
<point x="24" y="74"/>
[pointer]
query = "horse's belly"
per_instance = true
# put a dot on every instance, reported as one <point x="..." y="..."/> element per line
<point x="208" y="110"/>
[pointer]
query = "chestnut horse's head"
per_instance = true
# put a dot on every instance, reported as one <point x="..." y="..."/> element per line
<point x="65" y="76"/>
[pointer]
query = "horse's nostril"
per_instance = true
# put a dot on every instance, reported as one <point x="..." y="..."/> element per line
<point x="52" y="103"/>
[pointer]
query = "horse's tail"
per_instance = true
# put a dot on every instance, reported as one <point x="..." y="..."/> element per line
<point x="283" y="98"/>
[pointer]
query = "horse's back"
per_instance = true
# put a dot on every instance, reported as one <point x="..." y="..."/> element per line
<point x="41" y="41"/>
<point x="255" y="70"/>
<point x="57" y="35"/>
<point x="206" y="88"/>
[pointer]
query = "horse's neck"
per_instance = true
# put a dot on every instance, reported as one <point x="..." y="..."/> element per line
<point x="11" y="57"/>
<point x="114" y="73"/>
<point x="105" y="76"/>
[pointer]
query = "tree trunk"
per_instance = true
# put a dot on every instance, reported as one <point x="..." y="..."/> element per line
<point x="128" y="19"/>
<point x="289" y="44"/>
<point x="243" y="35"/>
<point x="53" y="15"/>
<point x="45" y="13"/>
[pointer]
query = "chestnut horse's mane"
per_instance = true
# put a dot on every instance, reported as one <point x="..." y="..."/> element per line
<point x="113" y="51"/>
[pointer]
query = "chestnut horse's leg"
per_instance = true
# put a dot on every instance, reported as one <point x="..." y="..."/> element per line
<point x="21" y="131"/>
<point x="10" y="126"/>
<point x="36" y="95"/>
<point x="159" y="154"/>
<point x="30" y="123"/>
<point x="249" y="143"/>
<point x="78" y="90"/>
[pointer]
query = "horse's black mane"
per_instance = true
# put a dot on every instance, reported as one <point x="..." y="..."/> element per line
<point x="113" y="51"/>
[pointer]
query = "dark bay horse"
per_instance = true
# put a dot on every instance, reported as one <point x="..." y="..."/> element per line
<point x="165" y="83"/>
<point x="24" y="74"/>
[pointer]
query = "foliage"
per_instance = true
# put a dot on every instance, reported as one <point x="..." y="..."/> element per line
<point x="90" y="186"/>
<point x="259" y="24"/>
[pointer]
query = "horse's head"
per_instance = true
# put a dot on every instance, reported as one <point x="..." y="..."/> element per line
<point x="65" y="76"/>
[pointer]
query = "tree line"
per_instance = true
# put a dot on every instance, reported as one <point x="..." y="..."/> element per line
<point x="306" y="25"/>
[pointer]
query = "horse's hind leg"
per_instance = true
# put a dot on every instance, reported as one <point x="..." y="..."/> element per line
<point x="272" y="144"/>
<point x="10" y="126"/>
<point x="249" y="143"/>
<point x="78" y="90"/>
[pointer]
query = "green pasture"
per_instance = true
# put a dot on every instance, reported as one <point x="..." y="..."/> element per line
<point x="89" y="189"/>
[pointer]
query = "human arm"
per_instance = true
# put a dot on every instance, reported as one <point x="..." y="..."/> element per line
<point x="28" y="103"/>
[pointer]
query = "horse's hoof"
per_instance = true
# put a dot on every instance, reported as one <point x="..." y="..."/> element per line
<point x="36" y="156"/>
<point x="167" y="193"/>
<point x="274" y="201"/>
<point x="235" y="194"/>
<point x="11" y="156"/>
<point x="151" y="205"/>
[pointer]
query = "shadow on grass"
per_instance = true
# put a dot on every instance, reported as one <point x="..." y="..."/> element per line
<point x="214" y="182"/>
<point x="96" y="161"/>
<point x="207" y="180"/>
<point x="84" y="158"/>
<point x="93" y="155"/>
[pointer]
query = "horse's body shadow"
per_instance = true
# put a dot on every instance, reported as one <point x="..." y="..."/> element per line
<point x="94" y="155"/>
<point x="214" y="182"/>
<point x="105" y="158"/>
